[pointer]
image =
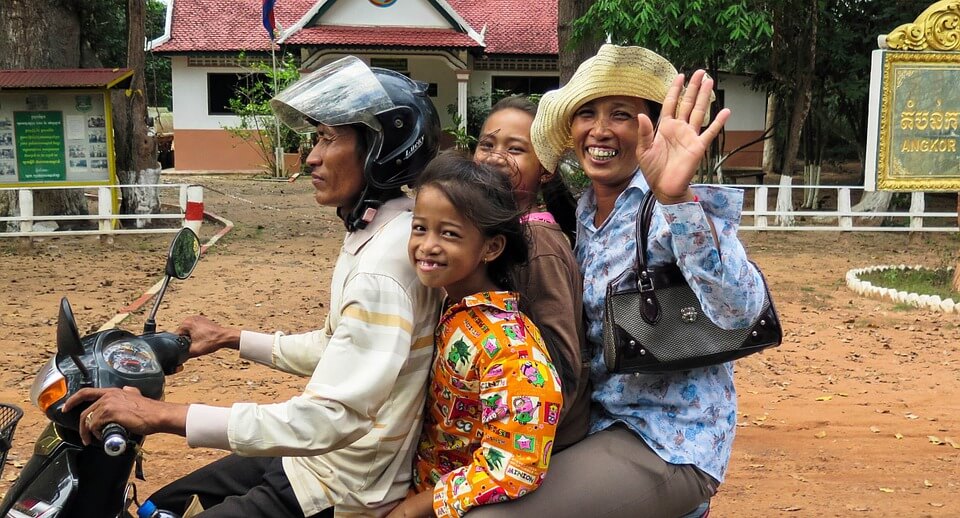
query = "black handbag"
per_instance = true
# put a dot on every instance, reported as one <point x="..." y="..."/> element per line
<point x="654" y="323"/>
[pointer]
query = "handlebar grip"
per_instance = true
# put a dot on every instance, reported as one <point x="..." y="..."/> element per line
<point x="114" y="439"/>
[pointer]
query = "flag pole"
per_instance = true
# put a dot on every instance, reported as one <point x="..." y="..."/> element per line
<point x="278" y="149"/>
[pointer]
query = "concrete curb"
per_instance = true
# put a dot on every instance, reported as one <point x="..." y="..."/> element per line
<point x="866" y="288"/>
<point x="153" y="290"/>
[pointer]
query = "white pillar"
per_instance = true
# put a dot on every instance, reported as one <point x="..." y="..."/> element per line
<point x="843" y="209"/>
<point x="105" y="209"/>
<point x="760" y="207"/>
<point x="26" y="210"/>
<point x="462" y="77"/>
<point x="916" y="210"/>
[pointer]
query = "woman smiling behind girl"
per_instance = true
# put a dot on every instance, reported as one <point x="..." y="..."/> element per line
<point x="550" y="281"/>
<point x="494" y="398"/>
<point x="659" y="444"/>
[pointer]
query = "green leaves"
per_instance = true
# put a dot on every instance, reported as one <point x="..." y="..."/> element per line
<point x="689" y="32"/>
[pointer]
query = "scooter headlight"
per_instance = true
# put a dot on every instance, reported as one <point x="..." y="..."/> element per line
<point x="49" y="386"/>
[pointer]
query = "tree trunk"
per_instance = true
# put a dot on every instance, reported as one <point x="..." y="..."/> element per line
<point x="769" y="146"/>
<point x="42" y="34"/>
<point x="572" y="53"/>
<point x="136" y="150"/>
<point x="800" y="80"/>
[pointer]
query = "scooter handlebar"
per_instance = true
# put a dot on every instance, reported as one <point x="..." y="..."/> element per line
<point x="171" y="350"/>
<point x="114" y="439"/>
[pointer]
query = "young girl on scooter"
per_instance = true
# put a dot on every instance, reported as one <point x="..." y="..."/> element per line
<point x="494" y="398"/>
<point x="550" y="281"/>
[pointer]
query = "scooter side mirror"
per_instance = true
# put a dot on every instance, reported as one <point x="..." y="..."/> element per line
<point x="184" y="254"/>
<point x="182" y="258"/>
<point x="68" y="336"/>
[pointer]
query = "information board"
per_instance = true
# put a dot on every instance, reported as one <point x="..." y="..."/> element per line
<point x="39" y="141"/>
<point x="54" y="137"/>
<point x="914" y="134"/>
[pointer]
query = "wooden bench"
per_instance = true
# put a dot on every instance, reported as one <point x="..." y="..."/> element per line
<point x="733" y="176"/>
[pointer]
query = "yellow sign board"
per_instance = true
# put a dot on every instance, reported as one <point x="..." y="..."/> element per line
<point x="918" y="138"/>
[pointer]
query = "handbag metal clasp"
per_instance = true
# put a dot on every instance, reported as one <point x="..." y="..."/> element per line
<point x="645" y="283"/>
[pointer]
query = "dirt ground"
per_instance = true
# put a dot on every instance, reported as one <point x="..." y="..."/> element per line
<point x="856" y="414"/>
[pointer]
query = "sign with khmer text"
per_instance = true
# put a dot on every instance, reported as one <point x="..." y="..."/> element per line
<point x="914" y="137"/>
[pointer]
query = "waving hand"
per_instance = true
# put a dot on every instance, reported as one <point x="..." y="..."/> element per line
<point x="669" y="156"/>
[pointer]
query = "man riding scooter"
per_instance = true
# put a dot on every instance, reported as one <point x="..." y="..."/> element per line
<point x="367" y="365"/>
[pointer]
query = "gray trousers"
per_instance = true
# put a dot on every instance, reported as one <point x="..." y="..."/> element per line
<point x="612" y="473"/>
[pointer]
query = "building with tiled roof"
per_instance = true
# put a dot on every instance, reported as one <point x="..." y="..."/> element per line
<point x="464" y="49"/>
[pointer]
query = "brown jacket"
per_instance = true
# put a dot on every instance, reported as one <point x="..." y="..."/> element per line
<point x="552" y="295"/>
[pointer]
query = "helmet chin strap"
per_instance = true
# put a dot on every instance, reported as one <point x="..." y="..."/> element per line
<point x="363" y="212"/>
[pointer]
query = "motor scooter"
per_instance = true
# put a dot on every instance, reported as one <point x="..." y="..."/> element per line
<point x="64" y="478"/>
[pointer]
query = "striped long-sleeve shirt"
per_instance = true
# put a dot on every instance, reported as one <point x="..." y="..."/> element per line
<point x="349" y="439"/>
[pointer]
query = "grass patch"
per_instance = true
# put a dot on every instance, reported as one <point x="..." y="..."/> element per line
<point x="924" y="282"/>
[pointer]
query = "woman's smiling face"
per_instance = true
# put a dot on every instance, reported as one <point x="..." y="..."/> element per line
<point x="604" y="135"/>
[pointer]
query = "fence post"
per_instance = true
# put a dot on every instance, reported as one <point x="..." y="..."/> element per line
<point x="105" y="210"/>
<point x="193" y="216"/>
<point x="26" y="210"/>
<point x="843" y="209"/>
<point x="760" y="207"/>
<point x="916" y="211"/>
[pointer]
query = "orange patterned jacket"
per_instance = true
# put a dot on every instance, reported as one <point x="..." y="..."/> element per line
<point x="492" y="407"/>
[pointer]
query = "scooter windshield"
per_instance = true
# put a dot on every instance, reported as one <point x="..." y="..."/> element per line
<point x="342" y="92"/>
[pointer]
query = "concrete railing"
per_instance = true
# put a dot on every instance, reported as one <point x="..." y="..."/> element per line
<point x="189" y="214"/>
<point x="842" y="218"/>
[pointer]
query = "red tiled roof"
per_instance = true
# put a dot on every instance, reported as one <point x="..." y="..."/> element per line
<point x="513" y="27"/>
<point x="381" y="36"/>
<point x="65" y="78"/>
<point x="227" y="25"/>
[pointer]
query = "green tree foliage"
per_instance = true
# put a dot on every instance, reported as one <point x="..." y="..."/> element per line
<point x="843" y="76"/>
<point x="258" y="127"/>
<point x="104" y="28"/>
<point x="691" y="33"/>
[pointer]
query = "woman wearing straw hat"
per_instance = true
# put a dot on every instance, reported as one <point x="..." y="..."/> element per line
<point x="659" y="444"/>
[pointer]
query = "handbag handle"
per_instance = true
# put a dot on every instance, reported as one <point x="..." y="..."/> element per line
<point x="649" y="305"/>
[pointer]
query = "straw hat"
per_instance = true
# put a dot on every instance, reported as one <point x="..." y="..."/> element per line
<point x="615" y="70"/>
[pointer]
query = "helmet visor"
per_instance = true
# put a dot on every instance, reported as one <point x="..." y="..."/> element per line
<point x="342" y="92"/>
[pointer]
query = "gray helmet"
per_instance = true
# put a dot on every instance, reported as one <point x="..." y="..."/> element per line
<point x="402" y="125"/>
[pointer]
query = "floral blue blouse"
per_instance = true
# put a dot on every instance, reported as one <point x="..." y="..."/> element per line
<point x="687" y="417"/>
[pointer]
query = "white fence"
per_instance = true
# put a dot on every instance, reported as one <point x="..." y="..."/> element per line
<point x="760" y="217"/>
<point x="842" y="218"/>
<point x="189" y="196"/>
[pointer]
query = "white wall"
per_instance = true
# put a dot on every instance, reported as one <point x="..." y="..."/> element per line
<point x="748" y="108"/>
<point x="190" y="106"/>
<point x="429" y="69"/>
<point x="408" y="13"/>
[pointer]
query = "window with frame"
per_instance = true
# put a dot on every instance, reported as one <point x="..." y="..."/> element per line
<point x="223" y="87"/>
<point x="525" y="85"/>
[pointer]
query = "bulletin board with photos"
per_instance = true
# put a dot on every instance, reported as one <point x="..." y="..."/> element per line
<point x="55" y="137"/>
